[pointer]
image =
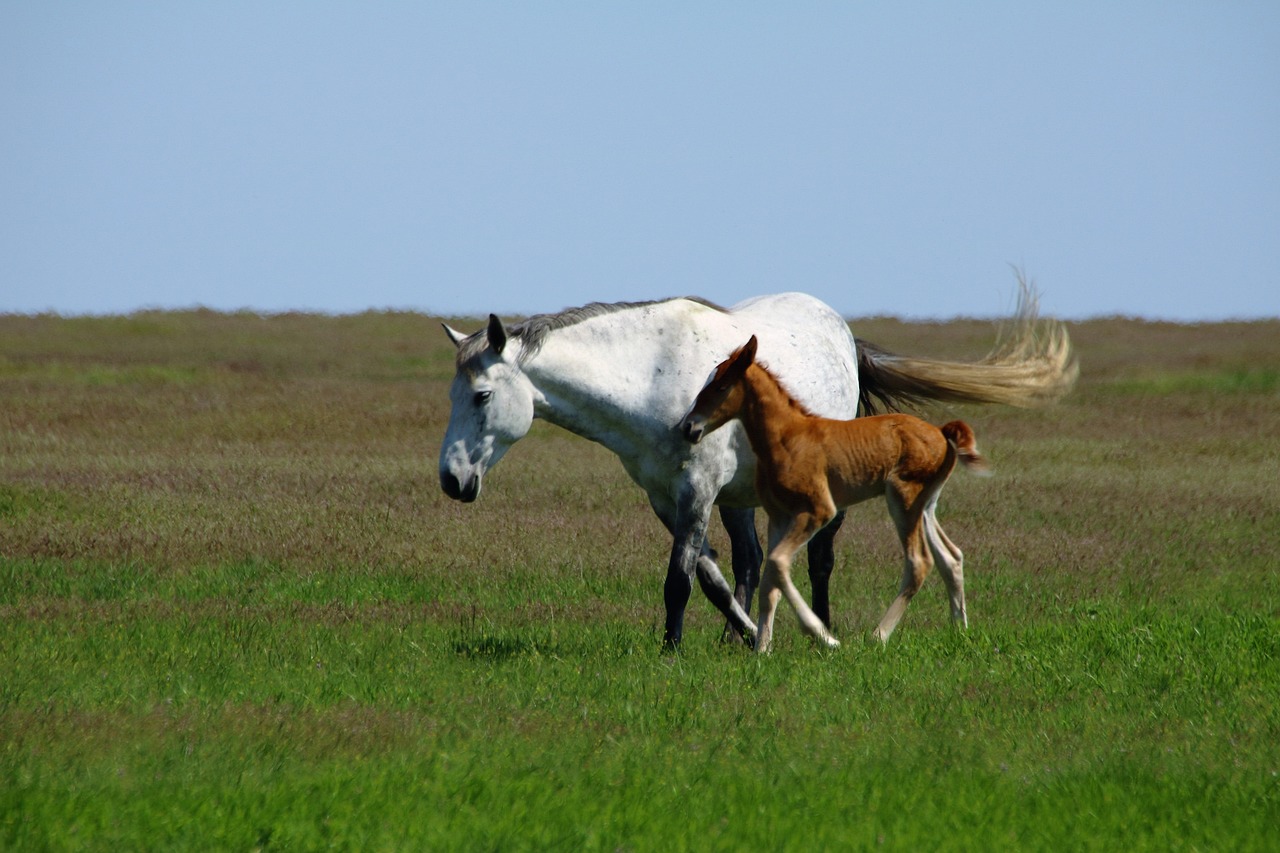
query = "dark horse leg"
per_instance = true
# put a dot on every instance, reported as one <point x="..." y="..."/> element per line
<point x="822" y="559"/>
<point x="691" y="557"/>
<point x="746" y="556"/>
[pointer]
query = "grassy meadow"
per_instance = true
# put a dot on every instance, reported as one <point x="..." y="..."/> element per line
<point x="236" y="612"/>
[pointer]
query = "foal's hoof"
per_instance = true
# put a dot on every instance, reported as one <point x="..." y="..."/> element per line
<point x="831" y="642"/>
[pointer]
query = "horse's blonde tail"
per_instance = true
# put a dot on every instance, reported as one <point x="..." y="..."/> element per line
<point x="960" y="434"/>
<point x="1032" y="366"/>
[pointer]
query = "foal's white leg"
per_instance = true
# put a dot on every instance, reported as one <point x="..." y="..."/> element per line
<point x="896" y="610"/>
<point x="950" y="563"/>
<point x="914" y="571"/>
<point x="786" y="538"/>
<point x="770" y="593"/>
<point x="916" y="563"/>
<point x="809" y="620"/>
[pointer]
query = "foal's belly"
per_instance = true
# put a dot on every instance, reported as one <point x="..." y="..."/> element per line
<point x="848" y="494"/>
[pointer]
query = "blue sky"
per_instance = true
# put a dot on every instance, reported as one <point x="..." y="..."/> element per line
<point x="461" y="158"/>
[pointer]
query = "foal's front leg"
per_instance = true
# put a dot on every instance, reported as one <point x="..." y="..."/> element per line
<point x="787" y="535"/>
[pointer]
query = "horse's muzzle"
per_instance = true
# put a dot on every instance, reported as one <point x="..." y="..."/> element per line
<point x="692" y="429"/>
<point x="465" y="492"/>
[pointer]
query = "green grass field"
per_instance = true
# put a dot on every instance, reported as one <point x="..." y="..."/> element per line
<point x="236" y="612"/>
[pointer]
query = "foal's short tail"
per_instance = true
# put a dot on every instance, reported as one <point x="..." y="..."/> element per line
<point x="961" y="435"/>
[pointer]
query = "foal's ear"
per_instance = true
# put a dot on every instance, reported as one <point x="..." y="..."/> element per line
<point x="746" y="355"/>
<point x="497" y="334"/>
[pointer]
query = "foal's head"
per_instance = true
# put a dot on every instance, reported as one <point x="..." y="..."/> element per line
<point x="720" y="400"/>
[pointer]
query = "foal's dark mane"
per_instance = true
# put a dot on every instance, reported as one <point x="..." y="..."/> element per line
<point x="533" y="331"/>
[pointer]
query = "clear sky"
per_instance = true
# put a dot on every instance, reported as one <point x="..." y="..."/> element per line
<point x="461" y="158"/>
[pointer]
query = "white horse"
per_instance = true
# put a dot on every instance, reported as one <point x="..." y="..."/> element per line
<point x="624" y="374"/>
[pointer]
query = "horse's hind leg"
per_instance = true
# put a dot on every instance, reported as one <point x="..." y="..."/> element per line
<point x="950" y="562"/>
<point x="746" y="556"/>
<point x="822" y="559"/>
<point x="916" y="564"/>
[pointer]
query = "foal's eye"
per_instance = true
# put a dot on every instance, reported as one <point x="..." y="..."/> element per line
<point x="482" y="397"/>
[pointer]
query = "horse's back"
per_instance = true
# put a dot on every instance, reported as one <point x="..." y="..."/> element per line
<point x="808" y="346"/>
<point x="805" y="341"/>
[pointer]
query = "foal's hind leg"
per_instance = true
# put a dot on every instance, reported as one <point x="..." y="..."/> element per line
<point x="950" y="566"/>
<point x="786" y="537"/>
<point x="909" y="519"/>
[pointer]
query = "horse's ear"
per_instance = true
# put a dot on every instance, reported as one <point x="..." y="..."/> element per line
<point x="497" y="334"/>
<point x="454" y="335"/>
<point x="749" y="350"/>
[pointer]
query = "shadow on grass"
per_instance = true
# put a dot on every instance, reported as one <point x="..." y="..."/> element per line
<point x="500" y="647"/>
<point x="475" y="637"/>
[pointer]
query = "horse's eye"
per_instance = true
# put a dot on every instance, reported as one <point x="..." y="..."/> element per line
<point x="482" y="397"/>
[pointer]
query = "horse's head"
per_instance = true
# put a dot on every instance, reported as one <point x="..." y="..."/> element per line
<point x="720" y="400"/>
<point x="492" y="407"/>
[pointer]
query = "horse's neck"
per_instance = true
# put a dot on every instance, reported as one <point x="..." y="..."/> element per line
<point x="768" y="411"/>
<point x="588" y="388"/>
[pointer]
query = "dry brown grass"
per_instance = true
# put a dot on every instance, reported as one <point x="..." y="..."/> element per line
<point x="179" y="440"/>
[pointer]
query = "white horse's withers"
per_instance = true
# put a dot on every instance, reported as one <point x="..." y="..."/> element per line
<point x="624" y="375"/>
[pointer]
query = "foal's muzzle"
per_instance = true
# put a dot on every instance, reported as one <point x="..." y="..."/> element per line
<point x="692" y="428"/>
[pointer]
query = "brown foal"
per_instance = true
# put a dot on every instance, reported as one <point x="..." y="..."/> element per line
<point x="809" y="467"/>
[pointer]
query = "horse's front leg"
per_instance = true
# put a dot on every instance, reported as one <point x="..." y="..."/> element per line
<point x="687" y="520"/>
<point x="746" y="556"/>
<point x="822" y="559"/>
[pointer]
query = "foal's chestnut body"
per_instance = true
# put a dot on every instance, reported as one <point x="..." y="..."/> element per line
<point x="808" y="468"/>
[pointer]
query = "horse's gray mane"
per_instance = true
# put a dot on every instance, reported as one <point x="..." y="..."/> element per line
<point x="533" y="331"/>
